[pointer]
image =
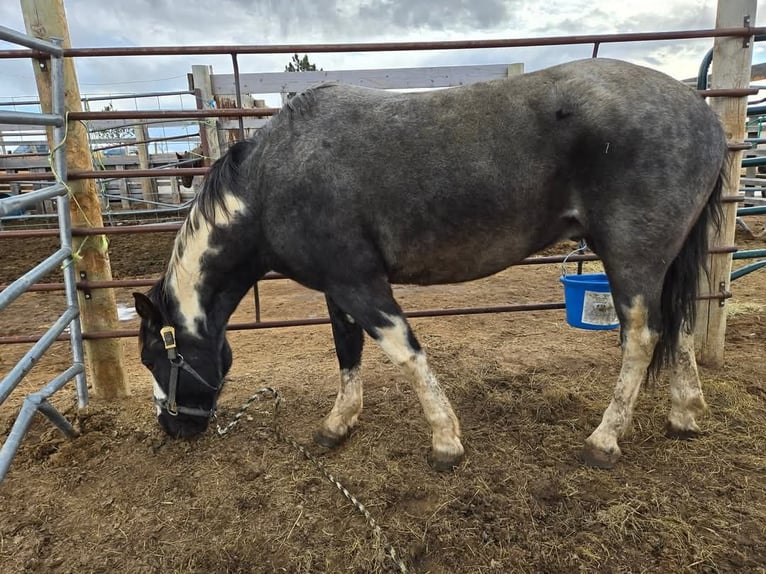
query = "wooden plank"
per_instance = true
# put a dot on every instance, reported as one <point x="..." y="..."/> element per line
<point x="392" y="78"/>
<point x="731" y="69"/>
<point x="148" y="187"/>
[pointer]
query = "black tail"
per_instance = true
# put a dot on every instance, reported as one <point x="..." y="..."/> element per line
<point x="681" y="286"/>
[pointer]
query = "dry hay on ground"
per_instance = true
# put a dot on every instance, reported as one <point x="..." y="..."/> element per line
<point x="528" y="389"/>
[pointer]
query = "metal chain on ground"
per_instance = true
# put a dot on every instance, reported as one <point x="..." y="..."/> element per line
<point x="389" y="550"/>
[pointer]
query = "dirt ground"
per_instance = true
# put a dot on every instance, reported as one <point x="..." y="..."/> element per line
<point x="527" y="387"/>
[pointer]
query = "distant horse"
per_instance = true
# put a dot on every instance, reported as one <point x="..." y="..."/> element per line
<point x="348" y="190"/>
<point x="193" y="158"/>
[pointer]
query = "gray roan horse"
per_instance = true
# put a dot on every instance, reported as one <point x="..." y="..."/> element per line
<point x="348" y="190"/>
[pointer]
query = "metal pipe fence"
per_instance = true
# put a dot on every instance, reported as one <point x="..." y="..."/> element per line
<point x="37" y="48"/>
<point x="37" y="402"/>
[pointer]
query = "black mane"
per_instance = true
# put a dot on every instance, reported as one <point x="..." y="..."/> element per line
<point x="221" y="179"/>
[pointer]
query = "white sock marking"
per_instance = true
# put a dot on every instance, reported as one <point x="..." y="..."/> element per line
<point x="636" y="356"/>
<point x="394" y="341"/>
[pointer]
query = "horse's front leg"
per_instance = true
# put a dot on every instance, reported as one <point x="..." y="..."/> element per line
<point x="349" y="339"/>
<point x="601" y="448"/>
<point x="399" y="343"/>
<point x="374" y="308"/>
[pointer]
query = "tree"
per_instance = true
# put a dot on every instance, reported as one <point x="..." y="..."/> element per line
<point x="298" y="64"/>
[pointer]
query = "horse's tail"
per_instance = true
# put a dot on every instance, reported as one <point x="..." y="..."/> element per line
<point x="681" y="286"/>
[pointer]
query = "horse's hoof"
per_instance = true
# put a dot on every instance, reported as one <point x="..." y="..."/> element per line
<point x="597" y="458"/>
<point x="443" y="462"/>
<point x="327" y="440"/>
<point x="681" y="434"/>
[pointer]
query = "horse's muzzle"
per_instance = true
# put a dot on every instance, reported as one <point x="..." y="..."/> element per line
<point x="182" y="426"/>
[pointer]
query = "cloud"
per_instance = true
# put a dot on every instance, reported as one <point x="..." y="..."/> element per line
<point x="204" y="22"/>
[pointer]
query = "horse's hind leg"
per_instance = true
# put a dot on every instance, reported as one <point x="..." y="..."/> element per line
<point x="686" y="398"/>
<point x="374" y="308"/>
<point x="349" y="340"/>
<point x="639" y="340"/>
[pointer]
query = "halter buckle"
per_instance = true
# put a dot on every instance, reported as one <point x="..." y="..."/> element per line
<point x="168" y="335"/>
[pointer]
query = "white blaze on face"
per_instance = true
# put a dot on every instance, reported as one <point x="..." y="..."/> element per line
<point x="185" y="273"/>
<point x="159" y="394"/>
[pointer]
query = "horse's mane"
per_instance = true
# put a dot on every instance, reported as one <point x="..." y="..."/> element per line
<point x="222" y="179"/>
<point x="224" y="176"/>
<point x="304" y="102"/>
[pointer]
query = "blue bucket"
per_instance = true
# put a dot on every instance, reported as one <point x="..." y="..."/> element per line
<point x="589" y="302"/>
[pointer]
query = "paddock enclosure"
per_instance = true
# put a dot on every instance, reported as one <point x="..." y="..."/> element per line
<point x="528" y="388"/>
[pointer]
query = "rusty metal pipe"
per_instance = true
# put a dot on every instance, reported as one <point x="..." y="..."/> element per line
<point x="743" y="32"/>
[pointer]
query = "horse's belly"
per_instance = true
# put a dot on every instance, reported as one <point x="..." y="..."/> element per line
<point x="463" y="263"/>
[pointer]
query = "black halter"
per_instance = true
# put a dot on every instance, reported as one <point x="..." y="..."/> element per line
<point x="177" y="363"/>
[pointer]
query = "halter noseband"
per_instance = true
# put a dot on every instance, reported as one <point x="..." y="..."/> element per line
<point x="177" y="363"/>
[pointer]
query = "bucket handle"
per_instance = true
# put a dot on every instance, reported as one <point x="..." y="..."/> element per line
<point x="582" y="248"/>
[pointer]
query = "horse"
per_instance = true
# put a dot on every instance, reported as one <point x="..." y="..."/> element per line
<point x="348" y="190"/>
<point x="193" y="158"/>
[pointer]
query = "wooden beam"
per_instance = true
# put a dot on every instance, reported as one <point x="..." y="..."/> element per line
<point x="47" y="19"/>
<point x="731" y="69"/>
<point x="148" y="186"/>
<point x="392" y="78"/>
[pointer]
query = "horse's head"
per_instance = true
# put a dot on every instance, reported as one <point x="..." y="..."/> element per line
<point x="191" y="158"/>
<point x="188" y="371"/>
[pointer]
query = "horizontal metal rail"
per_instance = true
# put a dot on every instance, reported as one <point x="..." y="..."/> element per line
<point x="118" y="283"/>
<point x="743" y="32"/>
<point x="29" y="360"/>
<point x="10" y="35"/>
<point x="749" y="254"/>
<point x="18" y="202"/>
<point x="746" y="269"/>
<point x="174" y="114"/>
<point x="23" y="283"/>
<point x="103" y="98"/>
<point x="31" y="119"/>
<point x="31" y="405"/>
<point x="123" y="333"/>
<point x="758" y="210"/>
<point x="107" y="174"/>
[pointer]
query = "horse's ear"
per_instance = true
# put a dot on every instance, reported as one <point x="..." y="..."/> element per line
<point x="146" y="309"/>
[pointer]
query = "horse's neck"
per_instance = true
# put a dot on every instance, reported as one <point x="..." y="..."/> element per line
<point x="203" y="293"/>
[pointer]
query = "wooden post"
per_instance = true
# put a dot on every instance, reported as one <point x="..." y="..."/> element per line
<point x="201" y="79"/>
<point x="175" y="191"/>
<point x="230" y="101"/>
<point x="148" y="184"/>
<point x="46" y="19"/>
<point x="731" y="69"/>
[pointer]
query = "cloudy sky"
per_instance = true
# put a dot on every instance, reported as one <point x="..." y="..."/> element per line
<point x="96" y="23"/>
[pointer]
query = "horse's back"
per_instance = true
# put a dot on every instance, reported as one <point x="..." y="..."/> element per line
<point x="455" y="184"/>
